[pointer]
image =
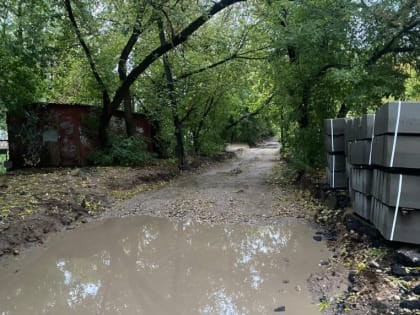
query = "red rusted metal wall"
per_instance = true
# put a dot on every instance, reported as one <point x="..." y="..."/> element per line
<point x="56" y="134"/>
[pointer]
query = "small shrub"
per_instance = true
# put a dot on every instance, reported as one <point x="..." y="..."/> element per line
<point x="125" y="151"/>
<point x="2" y="160"/>
<point x="305" y="150"/>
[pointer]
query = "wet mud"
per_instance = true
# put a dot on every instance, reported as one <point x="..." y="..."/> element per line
<point x="223" y="241"/>
<point x="146" y="265"/>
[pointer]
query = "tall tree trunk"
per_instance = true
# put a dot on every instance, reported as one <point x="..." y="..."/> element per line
<point x="197" y="131"/>
<point x="170" y="87"/>
<point x="104" y="120"/>
<point x="304" y="107"/>
<point x="125" y="85"/>
<point x="343" y="111"/>
<point x="179" y="149"/>
<point x="128" y="116"/>
<point x="282" y="128"/>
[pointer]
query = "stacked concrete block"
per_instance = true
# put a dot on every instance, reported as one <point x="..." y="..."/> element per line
<point x="349" y="138"/>
<point x="334" y="146"/>
<point x="360" y="170"/>
<point x="396" y="179"/>
<point x="382" y="162"/>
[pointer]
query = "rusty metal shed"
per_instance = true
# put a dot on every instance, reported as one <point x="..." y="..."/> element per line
<point x="49" y="134"/>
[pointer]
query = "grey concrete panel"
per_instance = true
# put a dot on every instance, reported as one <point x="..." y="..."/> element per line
<point x="359" y="152"/>
<point x="362" y="205"/>
<point x="365" y="129"/>
<point x="336" y="161"/>
<point x="386" y="118"/>
<point x="406" y="153"/>
<point x="407" y="224"/>
<point x="336" y="179"/>
<point x="352" y="194"/>
<point x="348" y="167"/>
<point x="338" y="125"/>
<point x="385" y="187"/>
<point x="356" y="126"/>
<point x="347" y="146"/>
<point x="349" y="134"/>
<point x="361" y="180"/>
<point x="338" y="144"/>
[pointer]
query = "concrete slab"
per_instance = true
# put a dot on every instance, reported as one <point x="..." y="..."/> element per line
<point x="405" y="154"/>
<point x="406" y="227"/>
<point x="348" y="167"/>
<point x="356" y="126"/>
<point x="385" y="188"/>
<point x="334" y="144"/>
<point x="359" y="152"/>
<point x="336" y="180"/>
<point x="347" y="146"/>
<point x="334" y="126"/>
<point x="336" y="162"/>
<point x="349" y="134"/>
<point x="409" y="118"/>
<point x="362" y="205"/>
<point x="361" y="180"/>
<point x="365" y="129"/>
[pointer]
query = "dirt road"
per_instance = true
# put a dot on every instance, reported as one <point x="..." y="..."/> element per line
<point x="236" y="191"/>
<point x="253" y="261"/>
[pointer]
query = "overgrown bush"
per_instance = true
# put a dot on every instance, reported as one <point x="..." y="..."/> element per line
<point x="251" y="130"/>
<point x="125" y="151"/>
<point x="305" y="150"/>
<point x="2" y="159"/>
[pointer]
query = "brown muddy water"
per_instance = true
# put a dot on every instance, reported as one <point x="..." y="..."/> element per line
<point x="148" y="265"/>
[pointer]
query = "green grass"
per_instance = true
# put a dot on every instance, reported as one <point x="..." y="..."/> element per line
<point x="2" y="159"/>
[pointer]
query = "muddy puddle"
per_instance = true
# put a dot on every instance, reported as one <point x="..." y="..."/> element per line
<point x="147" y="265"/>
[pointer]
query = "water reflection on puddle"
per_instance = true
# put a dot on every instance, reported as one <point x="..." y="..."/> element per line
<point x="144" y="265"/>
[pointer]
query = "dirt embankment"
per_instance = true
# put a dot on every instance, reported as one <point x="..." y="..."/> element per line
<point x="35" y="202"/>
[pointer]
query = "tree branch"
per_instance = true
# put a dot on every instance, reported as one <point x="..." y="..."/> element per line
<point x="188" y="113"/>
<point x="254" y="113"/>
<point x="165" y="47"/>
<point x="388" y="47"/>
<point x="251" y="58"/>
<point x="88" y="54"/>
<point x="325" y="69"/>
<point x="235" y="55"/>
<point x="125" y="53"/>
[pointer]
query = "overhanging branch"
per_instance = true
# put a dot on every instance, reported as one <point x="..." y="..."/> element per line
<point x="86" y="49"/>
<point x="235" y="55"/>
<point x="165" y="47"/>
<point x="254" y="113"/>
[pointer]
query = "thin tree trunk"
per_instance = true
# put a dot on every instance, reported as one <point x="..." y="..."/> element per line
<point x="304" y="107"/>
<point x="282" y="127"/>
<point x="170" y="87"/>
<point x="104" y="121"/>
<point x="128" y="116"/>
<point x="197" y="131"/>
<point x="343" y="111"/>
<point x="123" y="90"/>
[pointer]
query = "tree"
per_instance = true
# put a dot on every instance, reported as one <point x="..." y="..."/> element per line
<point x="193" y="73"/>
<point x="111" y="103"/>
<point x="335" y="57"/>
<point x="26" y="52"/>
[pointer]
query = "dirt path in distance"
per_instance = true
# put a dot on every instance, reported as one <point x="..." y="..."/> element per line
<point x="236" y="191"/>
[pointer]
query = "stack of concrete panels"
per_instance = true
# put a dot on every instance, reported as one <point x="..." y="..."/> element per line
<point x="349" y="138"/>
<point x="360" y="170"/>
<point x="334" y="146"/>
<point x="361" y="149"/>
<point x="396" y="180"/>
